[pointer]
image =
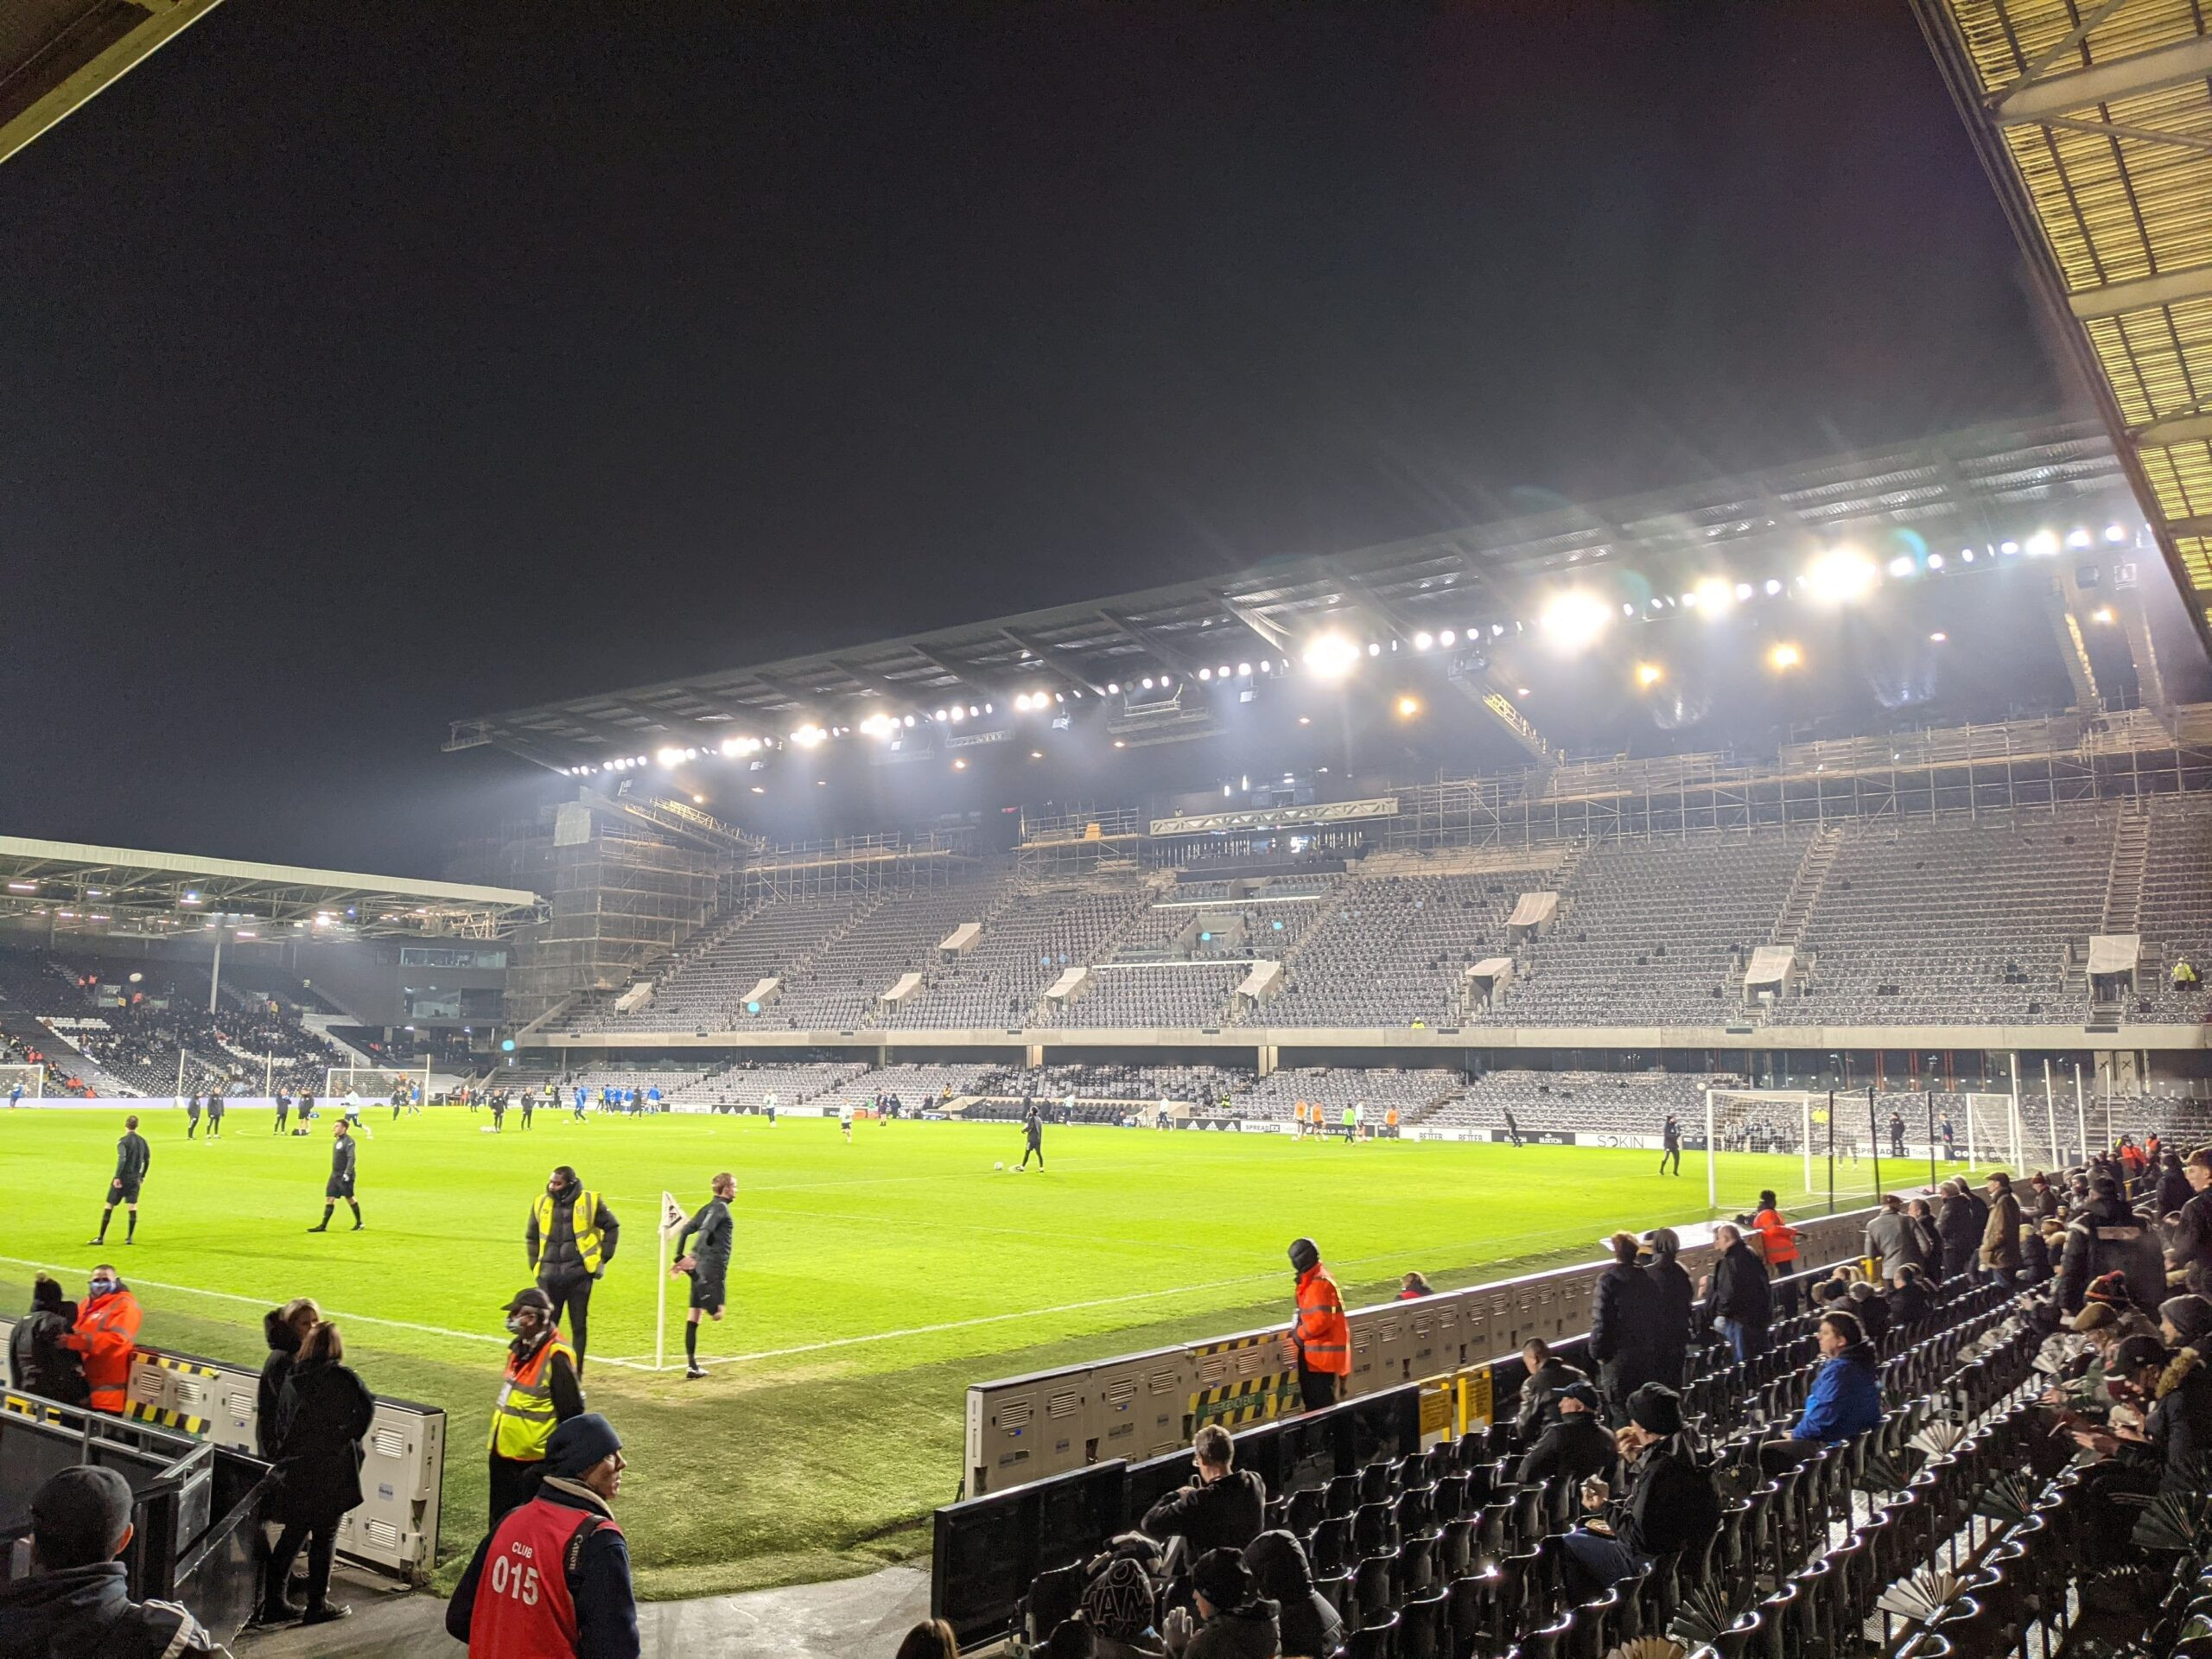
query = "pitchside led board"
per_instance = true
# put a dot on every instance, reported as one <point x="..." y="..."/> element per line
<point x="1140" y="1405"/>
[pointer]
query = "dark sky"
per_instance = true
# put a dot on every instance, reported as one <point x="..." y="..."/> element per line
<point x="361" y="367"/>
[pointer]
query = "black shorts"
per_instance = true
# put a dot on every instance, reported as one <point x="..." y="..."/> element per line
<point x="707" y="1293"/>
<point x="123" y="1192"/>
<point x="334" y="1188"/>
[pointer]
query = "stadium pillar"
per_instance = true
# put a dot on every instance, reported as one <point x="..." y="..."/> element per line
<point x="1712" y="1167"/>
<point x="2051" y="1113"/>
<point x="1931" y="1140"/>
<point x="215" y="973"/>
<point x="2081" y="1113"/>
<point x="1874" y="1141"/>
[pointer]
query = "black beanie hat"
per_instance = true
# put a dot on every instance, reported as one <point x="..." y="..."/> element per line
<point x="1220" y="1576"/>
<point x="1656" y="1410"/>
<point x="79" y="1515"/>
<point x="1303" y="1253"/>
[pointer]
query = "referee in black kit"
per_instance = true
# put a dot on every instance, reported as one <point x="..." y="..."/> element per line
<point x="708" y="1262"/>
<point x="133" y="1158"/>
<point x="340" y="1184"/>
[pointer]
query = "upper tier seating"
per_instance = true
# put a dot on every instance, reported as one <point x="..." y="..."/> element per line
<point x="705" y="988"/>
<point x="1389" y="950"/>
<point x="839" y="988"/>
<point x="1026" y="943"/>
<point x="1654" y="933"/>
<point x="1955" y="923"/>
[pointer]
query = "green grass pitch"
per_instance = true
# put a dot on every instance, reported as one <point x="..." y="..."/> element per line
<point x="872" y="1283"/>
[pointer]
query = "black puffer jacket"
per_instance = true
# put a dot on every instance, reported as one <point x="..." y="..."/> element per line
<point x="42" y="1365"/>
<point x="2107" y="1237"/>
<point x="87" y="1614"/>
<point x="555" y="1256"/>
<point x="1627" y="1321"/>
<point x="1310" y="1627"/>
<point x="2180" y="1423"/>
<point x="1224" y="1514"/>
<point x="283" y="1351"/>
<point x="1248" y="1632"/>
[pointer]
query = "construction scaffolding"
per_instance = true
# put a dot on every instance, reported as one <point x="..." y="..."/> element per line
<point x="895" y="862"/>
<point x="1085" y="841"/>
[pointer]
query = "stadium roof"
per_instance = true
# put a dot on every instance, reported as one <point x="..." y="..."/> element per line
<point x="2094" y="118"/>
<point x="74" y="888"/>
<point x="1979" y="485"/>
<point x="56" y="54"/>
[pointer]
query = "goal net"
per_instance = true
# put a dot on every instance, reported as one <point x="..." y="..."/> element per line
<point x="373" y="1082"/>
<point x="31" y="1079"/>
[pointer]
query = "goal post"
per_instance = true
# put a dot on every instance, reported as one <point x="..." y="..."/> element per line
<point x="373" y="1082"/>
<point x="31" y="1079"/>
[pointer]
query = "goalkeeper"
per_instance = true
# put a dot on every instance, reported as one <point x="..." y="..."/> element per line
<point x="708" y="1262"/>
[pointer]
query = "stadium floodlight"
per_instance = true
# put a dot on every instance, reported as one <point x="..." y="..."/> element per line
<point x="2042" y="544"/>
<point x="1223" y="670"/>
<point x="1938" y="638"/>
<point x="808" y="736"/>
<point x="2115" y="533"/>
<point x="1447" y="638"/>
<point x="1901" y="565"/>
<point x="1244" y="670"/>
<point x="938" y="716"/>
<point x="971" y="709"/>
<point x="1408" y="707"/>
<point x="2008" y="547"/>
<point x="1330" y="656"/>
<point x="1649" y="674"/>
<point x="1784" y="657"/>
<point x="958" y="714"/>
<point x="1374" y="648"/>
<point x="1575" y="618"/>
<point x="2102" y="613"/>
<point x="1147" y="682"/>
<point x="1113" y="688"/>
<point x="2077" y="539"/>
<point x="1422" y="641"/>
<point x="698" y="800"/>
<point x="1841" y="576"/>
<point x="1712" y="596"/>
<point x="1773" y="587"/>
<point x="669" y="757"/>
<point x="879" y="725"/>
<point x="960" y="765"/>
<point x="1205" y="674"/>
<point x="1935" y="561"/>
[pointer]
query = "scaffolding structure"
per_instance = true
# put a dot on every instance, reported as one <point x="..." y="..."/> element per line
<point x="1084" y="841"/>
<point x="894" y="863"/>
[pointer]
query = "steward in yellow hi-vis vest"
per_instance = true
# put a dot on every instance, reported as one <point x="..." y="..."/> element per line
<point x="538" y="1392"/>
<point x="570" y="1241"/>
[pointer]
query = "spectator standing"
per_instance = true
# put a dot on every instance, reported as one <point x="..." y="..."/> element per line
<point x="2106" y="1237"/>
<point x="215" y="1115"/>
<point x="1670" y="1143"/>
<point x="540" y="1391"/>
<point x="133" y="1158"/>
<point x="1959" y="1228"/>
<point x="106" y="1333"/>
<point x="570" y="1241"/>
<point x="1778" y="1241"/>
<point x="2000" y="1238"/>
<point x="325" y="1411"/>
<point x="285" y="1329"/>
<point x="76" y="1600"/>
<point x="1891" y="1237"/>
<point x="2174" y="1190"/>
<point x="1319" y="1339"/>
<point x="2191" y="1249"/>
<point x="40" y="1359"/>
<point x="284" y="1111"/>
<point x="1677" y="1303"/>
<point x="552" y="1578"/>
<point x="1739" y="1299"/>
<point x="1308" y="1622"/>
<point x="1626" y="1317"/>
<point x="1224" y="1509"/>
<point x="1925" y="1236"/>
<point x="192" y="1117"/>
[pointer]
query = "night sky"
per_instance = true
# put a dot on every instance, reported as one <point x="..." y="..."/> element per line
<point x="364" y="367"/>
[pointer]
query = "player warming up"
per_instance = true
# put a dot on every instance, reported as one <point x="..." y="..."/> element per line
<point x="340" y="1184"/>
<point x="133" y="1157"/>
<point x="707" y="1262"/>
<point x="845" y="1119"/>
<point x="1032" y="1136"/>
<point x="1670" y="1144"/>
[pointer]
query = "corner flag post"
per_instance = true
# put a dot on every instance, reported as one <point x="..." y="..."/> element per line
<point x="671" y="1222"/>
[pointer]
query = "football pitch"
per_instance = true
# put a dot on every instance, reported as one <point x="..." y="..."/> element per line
<point x="871" y="1282"/>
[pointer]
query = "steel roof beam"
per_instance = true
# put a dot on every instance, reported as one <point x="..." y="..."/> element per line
<point x="1043" y="654"/>
<point x="2142" y="293"/>
<point x="2038" y="101"/>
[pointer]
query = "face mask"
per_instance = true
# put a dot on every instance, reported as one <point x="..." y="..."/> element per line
<point x="514" y="1323"/>
<point x="103" y="1286"/>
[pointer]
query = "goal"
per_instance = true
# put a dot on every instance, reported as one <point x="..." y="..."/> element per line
<point x="31" y="1079"/>
<point x="373" y="1082"/>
